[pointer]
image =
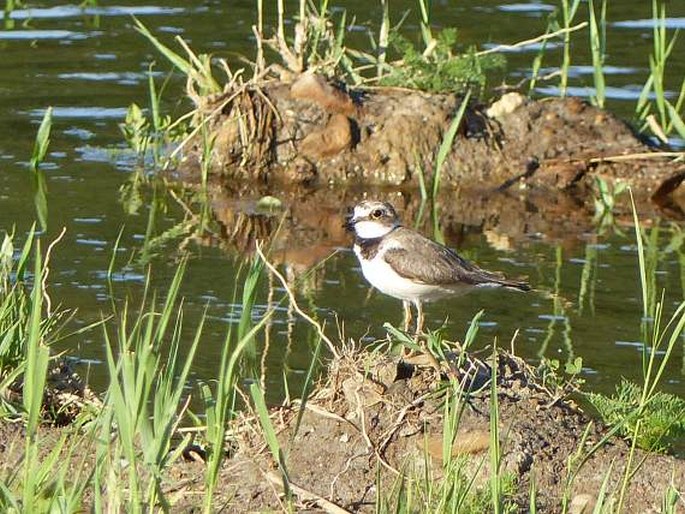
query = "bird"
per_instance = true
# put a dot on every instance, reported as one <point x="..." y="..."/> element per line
<point x="406" y="265"/>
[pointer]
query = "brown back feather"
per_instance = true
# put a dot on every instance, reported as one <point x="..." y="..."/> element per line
<point x="426" y="261"/>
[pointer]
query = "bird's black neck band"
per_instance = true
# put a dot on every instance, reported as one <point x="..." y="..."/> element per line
<point x="368" y="247"/>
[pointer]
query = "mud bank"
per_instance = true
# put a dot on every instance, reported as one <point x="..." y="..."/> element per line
<point x="312" y="132"/>
<point x="376" y="422"/>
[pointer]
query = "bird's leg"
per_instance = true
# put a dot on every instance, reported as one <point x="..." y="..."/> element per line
<point x="419" y="326"/>
<point x="406" y="352"/>
<point x="419" y="318"/>
<point x="422" y="340"/>
<point x="407" y="315"/>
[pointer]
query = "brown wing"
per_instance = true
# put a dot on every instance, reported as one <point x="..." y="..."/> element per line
<point x="432" y="263"/>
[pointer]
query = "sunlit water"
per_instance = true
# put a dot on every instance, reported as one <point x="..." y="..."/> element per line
<point x="90" y="64"/>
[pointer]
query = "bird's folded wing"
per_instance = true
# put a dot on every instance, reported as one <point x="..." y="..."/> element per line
<point x="436" y="264"/>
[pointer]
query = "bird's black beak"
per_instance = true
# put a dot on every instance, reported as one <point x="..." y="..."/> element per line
<point x="349" y="222"/>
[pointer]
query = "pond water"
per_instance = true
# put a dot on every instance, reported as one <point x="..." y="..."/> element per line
<point x="90" y="64"/>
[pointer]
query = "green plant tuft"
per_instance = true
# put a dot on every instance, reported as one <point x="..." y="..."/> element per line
<point x="440" y="70"/>
<point x="662" y="420"/>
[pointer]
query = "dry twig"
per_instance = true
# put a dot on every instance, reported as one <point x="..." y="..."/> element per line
<point x="293" y="302"/>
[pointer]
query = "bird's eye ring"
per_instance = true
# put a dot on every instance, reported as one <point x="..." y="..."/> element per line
<point x="376" y="214"/>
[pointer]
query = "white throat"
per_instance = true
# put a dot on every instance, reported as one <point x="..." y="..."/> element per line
<point x="369" y="229"/>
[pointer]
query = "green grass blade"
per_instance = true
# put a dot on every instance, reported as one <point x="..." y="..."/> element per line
<point x="597" y="50"/>
<point x="7" y="500"/>
<point x="40" y="147"/>
<point x="23" y="260"/>
<point x="676" y="120"/>
<point x="641" y="257"/>
<point x="40" y="150"/>
<point x="270" y="434"/>
<point x="37" y="355"/>
<point x="306" y="388"/>
<point x="601" y="495"/>
<point x="495" y="452"/>
<point x="182" y="64"/>
<point x="446" y="144"/>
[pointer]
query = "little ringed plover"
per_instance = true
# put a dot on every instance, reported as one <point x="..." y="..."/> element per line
<point x="404" y="264"/>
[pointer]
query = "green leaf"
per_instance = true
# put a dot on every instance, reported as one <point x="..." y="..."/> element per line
<point x="178" y="61"/>
<point x="40" y="149"/>
<point x="676" y="119"/>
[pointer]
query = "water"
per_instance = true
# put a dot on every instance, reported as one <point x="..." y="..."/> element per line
<point x="90" y="64"/>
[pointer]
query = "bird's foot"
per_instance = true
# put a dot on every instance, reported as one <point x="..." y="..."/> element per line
<point x="424" y="357"/>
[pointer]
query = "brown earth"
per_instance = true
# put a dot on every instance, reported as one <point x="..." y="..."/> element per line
<point x="376" y="418"/>
<point x="311" y="132"/>
<point x="519" y="169"/>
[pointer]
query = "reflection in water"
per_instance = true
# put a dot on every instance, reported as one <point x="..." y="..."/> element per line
<point x="560" y="315"/>
<point x="586" y="297"/>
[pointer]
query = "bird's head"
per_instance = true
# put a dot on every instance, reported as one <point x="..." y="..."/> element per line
<point x="372" y="219"/>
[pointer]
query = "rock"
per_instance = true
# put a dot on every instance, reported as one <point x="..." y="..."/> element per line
<point x="581" y="504"/>
<point x="314" y="88"/>
<point x="466" y="442"/>
<point x="334" y="138"/>
<point x="505" y="105"/>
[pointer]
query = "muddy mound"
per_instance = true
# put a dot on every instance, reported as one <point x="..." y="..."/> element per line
<point x="378" y="422"/>
<point x="65" y="395"/>
<point x="313" y="132"/>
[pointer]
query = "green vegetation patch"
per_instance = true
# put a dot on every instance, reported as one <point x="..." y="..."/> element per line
<point x="662" y="420"/>
<point x="442" y="70"/>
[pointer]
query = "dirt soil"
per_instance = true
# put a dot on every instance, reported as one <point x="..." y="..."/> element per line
<point x="317" y="133"/>
<point x="376" y="418"/>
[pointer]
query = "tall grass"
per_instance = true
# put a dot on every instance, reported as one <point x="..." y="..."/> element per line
<point x="443" y="152"/>
<point x="569" y="9"/>
<point x="220" y="404"/>
<point x="126" y="442"/>
<point x="37" y="356"/>
<point x="668" y="115"/>
<point x="452" y="481"/>
<point x="147" y="381"/>
<point x="598" y="50"/>
<point x="40" y="150"/>
<point x="15" y="307"/>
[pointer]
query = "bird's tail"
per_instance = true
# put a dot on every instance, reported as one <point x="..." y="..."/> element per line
<point x="518" y="285"/>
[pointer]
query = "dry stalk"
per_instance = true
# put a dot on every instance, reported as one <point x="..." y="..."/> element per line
<point x="638" y="156"/>
<point x="46" y="271"/>
<point x="260" y="64"/>
<point x="344" y="470"/>
<point x="400" y="418"/>
<point x="294" y="303"/>
<point x="544" y="37"/>
<point x="217" y="110"/>
<point x="306" y="495"/>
